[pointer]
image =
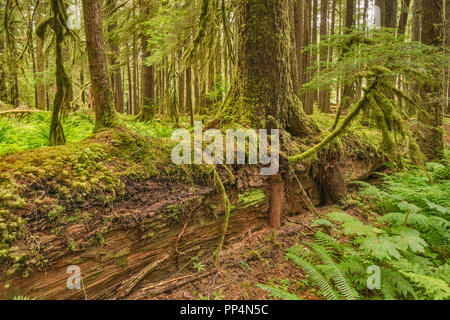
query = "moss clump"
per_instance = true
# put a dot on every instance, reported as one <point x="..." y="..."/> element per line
<point x="251" y="197"/>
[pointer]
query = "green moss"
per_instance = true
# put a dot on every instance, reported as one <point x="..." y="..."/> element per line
<point x="122" y="262"/>
<point x="251" y="197"/>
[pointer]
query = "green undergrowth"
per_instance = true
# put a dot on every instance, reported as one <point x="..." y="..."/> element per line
<point x="395" y="245"/>
<point x="32" y="131"/>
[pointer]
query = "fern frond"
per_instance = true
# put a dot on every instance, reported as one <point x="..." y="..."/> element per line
<point x="435" y="288"/>
<point x="316" y="276"/>
<point x="339" y="279"/>
<point x="278" y="293"/>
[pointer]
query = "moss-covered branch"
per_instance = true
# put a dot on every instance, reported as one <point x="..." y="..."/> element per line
<point x="333" y="135"/>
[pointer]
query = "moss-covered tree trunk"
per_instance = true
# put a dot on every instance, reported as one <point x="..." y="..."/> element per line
<point x="403" y="16"/>
<point x="105" y="114"/>
<point x="63" y="95"/>
<point x="262" y="87"/>
<point x="432" y="142"/>
<point x="56" y="136"/>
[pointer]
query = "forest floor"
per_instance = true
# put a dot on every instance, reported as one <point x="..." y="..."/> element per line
<point x="259" y="258"/>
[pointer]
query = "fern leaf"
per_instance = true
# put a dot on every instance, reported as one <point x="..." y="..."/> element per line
<point x="316" y="276"/>
<point x="279" y="293"/>
<point x="340" y="280"/>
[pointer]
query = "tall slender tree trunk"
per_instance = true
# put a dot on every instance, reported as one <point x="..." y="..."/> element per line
<point x="114" y="57"/>
<point x="432" y="143"/>
<point x="295" y="51"/>
<point x="403" y="16"/>
<point x="147" y="73"/>
<point x="181" y="84"/>
<point x="40" y="63"/>
<point x="105" y="115"/>
<point x="332" y="31"/>
<point x="188" y="101"/>
<point x="314" y="55"/>
<point x="417" y="20"/>
<point x="324" y="102"/>
<point x="447" y="47"/>
<point x="299" y="38"/>
<point x="307" y="97"/>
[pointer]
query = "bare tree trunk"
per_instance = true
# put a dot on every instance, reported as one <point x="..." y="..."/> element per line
<point x="417" y="20"/>
<point x="324" y="102"/>
<point x="307" y="97"/>
<point x="330" y="59"/>
<point x="314" y="55"/>
<point x="181" y="83"/>
<point x="299" y="37"/>
<point x="391" y="7"/>
<point x="295" y="51"/>
<point x="347" y="94"/>
<point x="147" y="73"/>
<point x="432" y="143"/>
<point x="114" y="57"/>
<point x="188" y="101"/>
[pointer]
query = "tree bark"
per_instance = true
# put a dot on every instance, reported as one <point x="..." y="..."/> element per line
<point x="432" y="143"/>
<point x="262" y="93"/>
<point x="391" y="7"/>
<point x="403" y="16"/>
<point x="147" y="73"/>
<point x="114" y="58"/>
<point x="105" y="115"/>
<point x="40" y="63"/>
<point x="307" y="97"/>
<point x="324" y="102"/>
<point x="417" y="20"/>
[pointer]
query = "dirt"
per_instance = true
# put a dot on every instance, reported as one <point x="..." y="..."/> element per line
<point x="259" y="258"/>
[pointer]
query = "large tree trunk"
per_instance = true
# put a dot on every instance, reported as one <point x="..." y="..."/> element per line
<point x="105" y="115"/>
<point x="432" y="143"/>
<point x="262" y="93"/>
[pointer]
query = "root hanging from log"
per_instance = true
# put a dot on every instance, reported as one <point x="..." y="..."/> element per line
<point x="226" y="208"/>
<point x="276" y="200"/>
